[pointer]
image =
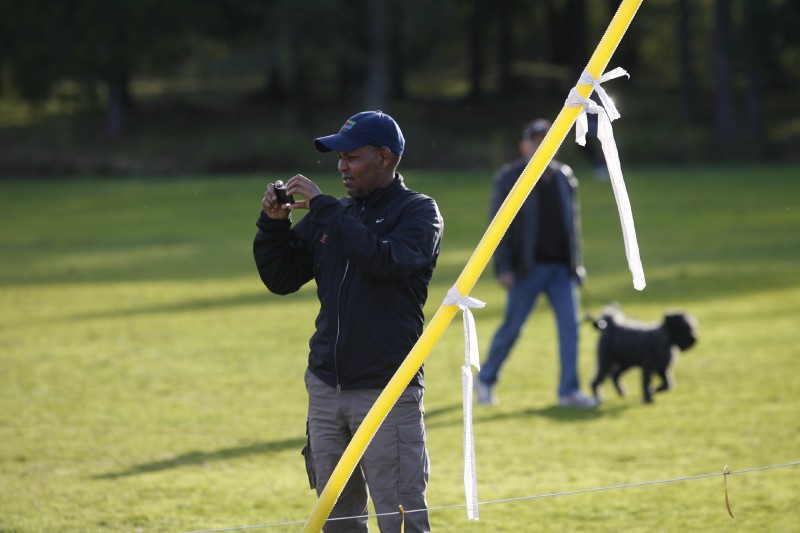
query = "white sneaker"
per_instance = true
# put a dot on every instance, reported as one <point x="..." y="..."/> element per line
<point x="485" y="394"/>
<point x="578" y="400"/>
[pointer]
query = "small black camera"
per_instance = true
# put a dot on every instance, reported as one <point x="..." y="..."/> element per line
<point x="280" y="192"/>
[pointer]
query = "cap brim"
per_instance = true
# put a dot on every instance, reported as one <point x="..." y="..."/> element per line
<point x="336" y="143"/>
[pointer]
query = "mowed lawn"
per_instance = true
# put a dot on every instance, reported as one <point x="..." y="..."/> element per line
<point x="149" y="383"/>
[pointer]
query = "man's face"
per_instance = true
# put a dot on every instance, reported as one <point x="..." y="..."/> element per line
<point x="363" y="170"/>
<point x="528" y="147"/>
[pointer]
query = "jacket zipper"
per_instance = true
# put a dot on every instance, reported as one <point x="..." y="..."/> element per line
<point x="338" y="326"/>
<point x="339" y="316"/>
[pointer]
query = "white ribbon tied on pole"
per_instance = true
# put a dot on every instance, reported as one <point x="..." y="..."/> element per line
<point x="605" y="115"/>
<point x="471" y="358"/>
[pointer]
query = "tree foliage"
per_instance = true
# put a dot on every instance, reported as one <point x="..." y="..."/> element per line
<point x="718" y="54"/>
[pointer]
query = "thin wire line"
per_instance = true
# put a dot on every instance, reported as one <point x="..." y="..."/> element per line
<point x="517" y="499"/>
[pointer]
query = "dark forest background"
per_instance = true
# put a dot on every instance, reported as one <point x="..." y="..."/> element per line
<point x="187" y="86"/>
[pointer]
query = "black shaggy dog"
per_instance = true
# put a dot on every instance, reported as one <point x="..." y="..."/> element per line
<point x="624" y="343"/>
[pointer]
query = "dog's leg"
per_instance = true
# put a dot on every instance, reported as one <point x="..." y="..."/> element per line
<point x="648" y="396"/>
<point x="603" y="367"/>
<point x="615" y="377"/>
<point x="666" y="381"/>
<point x="598" y="379"/>
<point x="664" y="369"/>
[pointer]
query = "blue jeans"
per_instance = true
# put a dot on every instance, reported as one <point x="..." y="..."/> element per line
<point x="562" y="291"/>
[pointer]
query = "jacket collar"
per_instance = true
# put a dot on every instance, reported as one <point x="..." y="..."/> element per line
<point x="380" y="195"/>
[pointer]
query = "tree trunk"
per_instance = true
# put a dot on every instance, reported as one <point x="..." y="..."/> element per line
<point x="117" y="102"/>
<point x="576" y="21"/>
<point x="275" y="89"/>
<point x="724" y="121"/>
<point x="555" y="33"/>
<point x="757" y="26"/>
<point x="686" y="61"/>
<point x="378" y="76"/>
<point x="477" y="23"/>
<point x="506" y="49"/>
<point x="116" y="76"/>
<point x="300" y="79"/>
<point x="397" y="54"/>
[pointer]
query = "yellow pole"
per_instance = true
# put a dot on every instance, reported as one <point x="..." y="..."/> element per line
<point x="469" y="276"/>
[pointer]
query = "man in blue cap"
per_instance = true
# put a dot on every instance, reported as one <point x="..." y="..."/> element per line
<point x="372" y="255"/>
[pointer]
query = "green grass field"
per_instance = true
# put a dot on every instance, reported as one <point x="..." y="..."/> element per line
<point x="149" y="383"/>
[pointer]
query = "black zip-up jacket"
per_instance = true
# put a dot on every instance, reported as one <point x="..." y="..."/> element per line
<point x="516" y="251"/>
<point x="372" y="260"/>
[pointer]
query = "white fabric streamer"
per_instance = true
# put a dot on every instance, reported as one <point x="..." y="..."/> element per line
<point x="605" y="115"/>
<point x="471" y="358"/>
<point x="608" y="103"/>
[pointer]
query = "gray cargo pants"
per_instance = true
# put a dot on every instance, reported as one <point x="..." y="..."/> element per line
<point x="395" y="465"/>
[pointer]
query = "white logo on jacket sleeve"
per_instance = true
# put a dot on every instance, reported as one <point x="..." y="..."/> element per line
<point x="378" y="221"/>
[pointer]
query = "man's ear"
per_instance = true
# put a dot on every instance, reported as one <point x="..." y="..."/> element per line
<point x="386" y="156"/>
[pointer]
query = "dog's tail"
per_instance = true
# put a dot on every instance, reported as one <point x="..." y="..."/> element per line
<point x="598" y="323"/>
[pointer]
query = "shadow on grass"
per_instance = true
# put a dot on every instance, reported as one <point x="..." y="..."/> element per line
<point x="198" y="304"/>
<point x="565" y="414"/>
<point x="437" y="417"/>
<point x="198" y="458"/>
<point x="553" y="412"/>
<point x="431" y="414"/>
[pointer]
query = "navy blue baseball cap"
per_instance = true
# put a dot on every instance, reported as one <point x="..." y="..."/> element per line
<point x="373" y="128"/>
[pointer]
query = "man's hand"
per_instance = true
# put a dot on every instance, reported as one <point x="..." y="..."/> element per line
<point x="299" y="185"/>
<point x="303" y="186"/>
<point x="271" y="207"/>
<point x="506" y="280"/>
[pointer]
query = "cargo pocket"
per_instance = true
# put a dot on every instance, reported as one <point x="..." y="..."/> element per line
<point x="309" y="457"/>
<point x="414" y="465"/>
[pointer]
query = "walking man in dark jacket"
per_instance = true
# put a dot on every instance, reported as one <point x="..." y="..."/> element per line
<point x="371" y="255"/>
<point x="540" y="253"/>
